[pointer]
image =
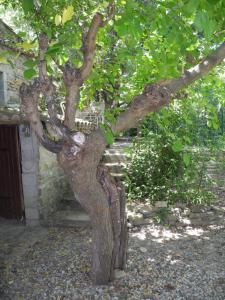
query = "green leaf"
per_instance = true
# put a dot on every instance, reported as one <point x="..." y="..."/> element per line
<point x="26" y="45"/>
<point x="215" y="124"/>
<point x="54" y="49"/>
<point x="204" y="24"/>
<point x="12" y="63"/>
<point x="30" y="63"/>
<point x="3" y="60"/>
<point x="22" y="34"/>
<point x="28" y="74"/>
<point x="191" y="6"/>
<point x="186" y="159"/>
<point x="110" y="117"/>
<point x="209" y="123"/>
<point x="67" y="14"/>
<point x="108" y="133"/>
<point x="28" y="5"/>
<point x="177" y="146"/>
<point x="58" y="20"/>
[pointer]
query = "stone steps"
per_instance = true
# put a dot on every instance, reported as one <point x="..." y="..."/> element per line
<point x="115" y="158"/>
<point x="70" y="214"/>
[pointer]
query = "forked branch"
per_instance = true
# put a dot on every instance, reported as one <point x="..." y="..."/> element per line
<point x="75" y="77"/>
<point x="29" y="95"/>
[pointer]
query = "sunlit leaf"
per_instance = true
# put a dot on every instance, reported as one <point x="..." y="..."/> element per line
<point x="3" y="60"/>
<point x="28" y="74"/>
<point x="53" y="49"/>
<point x="177" y="146"/>
<point x="108" y="133"/>
<point x="58" y="20"/>
<point x="30" y="63"/>
<point x="28" y="5"/>
<point x="187" y="159"/>
<point x="67" y="14"/>
<point x="26" y="45"/>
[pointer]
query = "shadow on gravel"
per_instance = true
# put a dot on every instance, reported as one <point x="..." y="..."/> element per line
<point x="187" y="263"/>
<point x="163" y="263"/>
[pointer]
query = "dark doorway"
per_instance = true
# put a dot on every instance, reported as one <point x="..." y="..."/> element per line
<point x="11" y="204"/>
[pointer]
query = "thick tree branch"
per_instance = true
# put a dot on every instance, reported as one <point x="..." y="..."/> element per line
<point x="72" y="83"/>
<point x="29" y="95"/>
<point x="198" y="71"/>
<point x="159" y="94"/>
<point x="47" y="88"/>
<point x="43" y="46"/>
<point x="153" y="97"/>
<point x="74" y="77"/>
<point x="88" y="47"/>
<point x="50" y="93"/>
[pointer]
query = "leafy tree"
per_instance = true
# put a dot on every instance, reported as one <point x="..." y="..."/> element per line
<point x="145" y="55"/>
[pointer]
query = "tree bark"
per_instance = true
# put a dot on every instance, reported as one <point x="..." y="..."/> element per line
<point x="104" y="201"/>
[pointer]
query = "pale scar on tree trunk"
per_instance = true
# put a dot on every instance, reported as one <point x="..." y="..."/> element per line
<point x="80" y="155"/>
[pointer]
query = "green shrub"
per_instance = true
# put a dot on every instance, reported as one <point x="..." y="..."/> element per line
<point x="160" y="168"/>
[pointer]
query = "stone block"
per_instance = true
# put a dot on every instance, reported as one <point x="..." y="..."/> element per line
<point x="143" y="222"/>
<point x="199" y="208"/>
<point x="161" y="204"/>
<point x="180" y="205"/>
<point x="171" y="219"/>
<point x="150" y="214"/>
<point x="32" y="214"/>
<point x="29" y="179"/>
<point x="145" y="209"/>
<point x="195" y="215"/>
<point x="197" y="222"/>
<point x="135" y="217"/>
<point x="32" y="222"/>
<point x="30" y="192"/>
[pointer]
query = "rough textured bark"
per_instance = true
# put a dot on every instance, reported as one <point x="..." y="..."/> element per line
<point x="117" y="202"/>
<point x="101" y="198"/>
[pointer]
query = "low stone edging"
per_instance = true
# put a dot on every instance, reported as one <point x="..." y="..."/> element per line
<point x="177" y="215"/>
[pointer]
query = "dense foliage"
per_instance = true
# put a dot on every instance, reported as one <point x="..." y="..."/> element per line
<point x="169" y="158"/>
<point x="144" y="42"/>
<point x="156" y="172"/>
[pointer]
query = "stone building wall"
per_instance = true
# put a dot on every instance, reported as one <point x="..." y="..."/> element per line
<point x="13" y="77"/>
<point x="53" y="186"/>
<point x="29" y="163"/>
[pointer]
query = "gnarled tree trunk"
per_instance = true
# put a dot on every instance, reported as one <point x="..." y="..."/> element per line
<point x="103" y="199"/>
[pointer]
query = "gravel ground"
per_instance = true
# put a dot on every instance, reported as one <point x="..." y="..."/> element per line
<point x="163" y="263"/>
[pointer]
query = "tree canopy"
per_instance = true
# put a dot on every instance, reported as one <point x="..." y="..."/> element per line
<point x="143" y="42"/>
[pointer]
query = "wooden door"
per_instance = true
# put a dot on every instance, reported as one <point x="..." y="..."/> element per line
<point x="11" y="204"/>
